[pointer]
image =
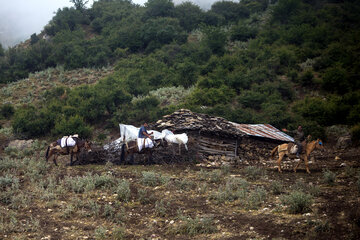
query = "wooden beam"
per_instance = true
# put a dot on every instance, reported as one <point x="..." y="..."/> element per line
<point x="236" y="145"/>
<point x="215" y="151"/>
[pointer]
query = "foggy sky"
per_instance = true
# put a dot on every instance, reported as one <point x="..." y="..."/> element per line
<point x="21" y="18"/>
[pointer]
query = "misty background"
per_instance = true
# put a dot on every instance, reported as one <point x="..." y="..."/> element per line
<point x="21" y="18"/>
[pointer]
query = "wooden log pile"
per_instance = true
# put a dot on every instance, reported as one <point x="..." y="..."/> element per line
<point x="185" y="120"/>
<point x="255" y="150"/>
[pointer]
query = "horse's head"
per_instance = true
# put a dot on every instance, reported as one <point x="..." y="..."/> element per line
<point x="319" y="144"/>
<point x="87" y="146"/>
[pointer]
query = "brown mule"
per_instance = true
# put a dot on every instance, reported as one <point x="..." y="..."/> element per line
<point x="55" y="150"/>
<point x="283" y="150"/>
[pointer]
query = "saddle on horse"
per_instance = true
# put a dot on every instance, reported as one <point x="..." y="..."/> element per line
<point x="66" y="142"/>
<point x="144" y="143"/>
<point x="292" y="148"/>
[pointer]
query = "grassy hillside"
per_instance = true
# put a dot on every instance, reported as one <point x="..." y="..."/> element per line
<point x="283" y="62"/>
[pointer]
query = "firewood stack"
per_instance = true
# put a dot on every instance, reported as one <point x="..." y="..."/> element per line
<point x="185" y="120"/>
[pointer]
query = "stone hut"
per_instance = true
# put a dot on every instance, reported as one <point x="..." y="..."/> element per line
<point x="218" y="141"/>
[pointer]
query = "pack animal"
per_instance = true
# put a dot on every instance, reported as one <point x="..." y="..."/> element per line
<point x="55" y="149"/>
<point x="285" y="150"/>
<point x="176" y="139"/>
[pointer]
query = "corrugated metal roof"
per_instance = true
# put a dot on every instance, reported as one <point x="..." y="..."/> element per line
<point x="263" y="130"/>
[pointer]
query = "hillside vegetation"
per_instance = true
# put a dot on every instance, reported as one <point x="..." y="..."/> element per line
<point x="284" y="62"/>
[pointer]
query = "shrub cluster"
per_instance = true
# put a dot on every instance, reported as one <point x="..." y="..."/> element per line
<point x="238" y="60"/>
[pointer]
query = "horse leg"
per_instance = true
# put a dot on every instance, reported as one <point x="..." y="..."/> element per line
<point x="54" y="160"/>
<point x="71" y="159"/>
<point x="173" y="149"/>
<point x="52" y="154"/>
<point x="47" y="154"/>
<point x="306" y="164"/>
<point x="281" y="155"/>
<point x="297" y="165"/>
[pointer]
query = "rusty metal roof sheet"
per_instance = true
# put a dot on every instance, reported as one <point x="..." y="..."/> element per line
<point x="263" y="130"/>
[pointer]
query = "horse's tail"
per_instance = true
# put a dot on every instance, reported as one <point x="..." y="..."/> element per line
<point x="272" y="154"/>
<point x="47" y="153"/>
<point x="122" y="155"/>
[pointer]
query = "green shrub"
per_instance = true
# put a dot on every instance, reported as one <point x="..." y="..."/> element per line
<point x="253" y="173"/>
<point x="30" y="122"/>
<point x="68" y="211"/>
<point x="322" y="226"/>
<point x="215" y="176"/>
<point x="256" y="198"/>
<point x="5" y="196"/>
<point x="6" y="110"/>
<point x="123" y="191"/>
<point x="307" y="78"/>
<point x="104" y="181"/>
<point x="202" y="188"/>
<point x="93" y="208"/>
<point x="119" y="233"/>
<point x="161" y="208"/>
<point x="109" y="212"/>
<point x="89" y="182"/>
<point x="298" y="202"/>
<point x="151" y="179"/>
<point x="227" y="194"/>
<point x="74" y="124"/>
<point x="184" y="184"/>
<point x="235" y="188"/>
<point x="36" y="169"/>
<point x="171" y="95"/>
<point x="242" y="32"/>
<point x="144" y="196"/>
<point x="350" y="171"/>
<point x="276" y="187"/>
<point x="225" y="169"/>
<point x="100" y="233"/>
<point x="195" y="226"/>
<point x="20" y="201"/>
<point x="7" y="163"/>
<point x="301" y="186"/>
<point x="9" y="181"/>
<point x="336" y="80"/>
<point x="355" y="133"/>
<point x="329" y="177"/>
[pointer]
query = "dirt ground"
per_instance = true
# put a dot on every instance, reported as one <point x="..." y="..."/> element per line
<point x="180" y="201"/>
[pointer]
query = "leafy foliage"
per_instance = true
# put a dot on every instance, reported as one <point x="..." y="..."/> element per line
<point x="283" y="62"/>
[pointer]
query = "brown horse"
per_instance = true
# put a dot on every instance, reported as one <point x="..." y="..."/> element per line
<point x="283" y="150"/>
<point x="131" y="147"/>
<point x="55" y="150"/>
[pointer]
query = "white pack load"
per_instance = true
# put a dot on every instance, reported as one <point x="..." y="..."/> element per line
<point x="144" y="143"/>
<point x="176" y="138"/>
<point x="294" y="149"/>
<point x="67" y="141"/>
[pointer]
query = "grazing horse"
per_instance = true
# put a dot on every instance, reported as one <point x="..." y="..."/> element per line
<point x="284" y="150"/>
<point x="55" y="149"/>
<point x="131" y="147"/>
